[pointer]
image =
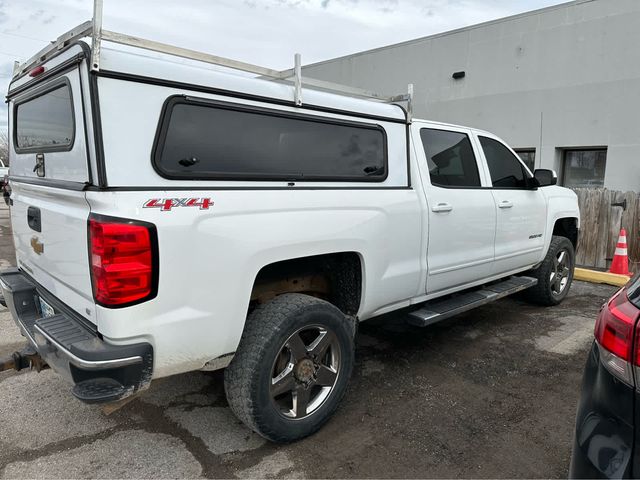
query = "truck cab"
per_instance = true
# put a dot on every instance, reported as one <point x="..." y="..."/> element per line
<point x="487" y="216"/>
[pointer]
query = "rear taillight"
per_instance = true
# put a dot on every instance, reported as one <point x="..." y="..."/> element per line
<point x="124" y="265"/>
<point x="616" y="335"/>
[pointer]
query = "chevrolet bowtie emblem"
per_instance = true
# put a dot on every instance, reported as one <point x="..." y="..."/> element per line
<point x="37" y="246"/>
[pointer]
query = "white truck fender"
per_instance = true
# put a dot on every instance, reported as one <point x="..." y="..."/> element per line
<point x="561" y="203"/>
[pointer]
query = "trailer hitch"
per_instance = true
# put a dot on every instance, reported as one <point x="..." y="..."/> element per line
<point x="26" y="358"/>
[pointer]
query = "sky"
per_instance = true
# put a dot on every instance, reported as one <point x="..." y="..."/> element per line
<point x="265" y="32"/>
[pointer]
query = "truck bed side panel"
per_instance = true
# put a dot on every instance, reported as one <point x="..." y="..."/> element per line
<point x="210" y="258"/>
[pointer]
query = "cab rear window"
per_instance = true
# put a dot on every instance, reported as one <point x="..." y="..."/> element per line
<point x="45" y="122"/>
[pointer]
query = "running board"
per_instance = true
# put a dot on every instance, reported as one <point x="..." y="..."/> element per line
<point x="437" y="310"/>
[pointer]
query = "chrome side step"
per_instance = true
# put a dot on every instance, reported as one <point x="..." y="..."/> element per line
<point x="439" y="309"/>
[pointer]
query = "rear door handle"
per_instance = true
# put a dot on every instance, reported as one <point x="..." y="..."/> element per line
<point x="505" y="204"/>
<point x="442" y="208"/>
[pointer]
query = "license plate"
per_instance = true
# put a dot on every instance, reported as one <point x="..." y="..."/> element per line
<point x="46" y="310"/>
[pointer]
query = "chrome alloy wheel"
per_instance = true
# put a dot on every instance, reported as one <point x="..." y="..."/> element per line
<point x="305" y="372"/>
<point x="560" y="272"/>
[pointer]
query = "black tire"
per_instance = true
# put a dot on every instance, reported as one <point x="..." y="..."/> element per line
<point x="548" y="292"/>
<point x="267" y="338"/>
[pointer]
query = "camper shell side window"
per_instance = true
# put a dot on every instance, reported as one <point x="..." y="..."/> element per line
<point x="206" y="140"/>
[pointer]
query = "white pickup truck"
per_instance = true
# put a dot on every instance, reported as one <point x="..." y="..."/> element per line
<point x="169" y="217"/>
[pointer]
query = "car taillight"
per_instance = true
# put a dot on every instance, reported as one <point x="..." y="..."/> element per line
<point x="123" y="261"/>
<point x="616" y="335"/>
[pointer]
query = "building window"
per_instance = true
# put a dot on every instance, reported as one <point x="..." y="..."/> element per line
<point x="528" y="156"/>
<point x="584" y="168"/>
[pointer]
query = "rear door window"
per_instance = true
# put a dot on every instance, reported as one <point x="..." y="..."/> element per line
<point x="208" y="140"/>
<point x="45" y="123"/>
<point x="450" y="158"/>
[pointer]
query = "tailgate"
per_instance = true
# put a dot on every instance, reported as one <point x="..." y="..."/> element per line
<point x="49" y="171"/>
<point x="50" y="235"/>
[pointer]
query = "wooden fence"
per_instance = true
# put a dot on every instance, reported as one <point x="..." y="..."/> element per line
<point x="601" y="223"/>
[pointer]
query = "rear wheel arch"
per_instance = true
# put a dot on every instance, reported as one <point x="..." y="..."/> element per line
<point x="336" y="277"/>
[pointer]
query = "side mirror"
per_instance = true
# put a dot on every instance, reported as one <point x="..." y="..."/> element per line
<point x="545" y="178"/>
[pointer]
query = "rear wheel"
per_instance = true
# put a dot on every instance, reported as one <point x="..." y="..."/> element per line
<point x="554" y="275"/>
<point x="292" y="367"/>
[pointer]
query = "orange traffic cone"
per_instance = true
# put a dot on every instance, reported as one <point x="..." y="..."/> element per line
<point x="620" y="264"/>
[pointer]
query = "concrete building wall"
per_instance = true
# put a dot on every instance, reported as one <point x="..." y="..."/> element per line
<point x="560" y="77"/>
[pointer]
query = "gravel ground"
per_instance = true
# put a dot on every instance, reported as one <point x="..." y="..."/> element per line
<point x="491" y="393"/>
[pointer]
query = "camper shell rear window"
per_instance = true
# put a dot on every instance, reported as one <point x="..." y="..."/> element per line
<point x="43" y="121"/>
<point x="206" y="140"/>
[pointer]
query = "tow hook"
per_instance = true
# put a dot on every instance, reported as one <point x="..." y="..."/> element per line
<point x="27" y="358"/>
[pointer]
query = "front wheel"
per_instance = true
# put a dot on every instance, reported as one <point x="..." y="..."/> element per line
<point x="554" y="275"/>
<point x="292" y="367"/>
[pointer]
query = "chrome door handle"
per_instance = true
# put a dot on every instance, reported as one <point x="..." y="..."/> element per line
<point x="505" y="204"/>
<point x="442" y="208"/>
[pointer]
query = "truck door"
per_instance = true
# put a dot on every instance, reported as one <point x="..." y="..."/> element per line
<point x="462" y="214"/>
<point x="521" y="212"/>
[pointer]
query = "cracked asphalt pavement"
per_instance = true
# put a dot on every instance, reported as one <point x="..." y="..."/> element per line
<point x="491" y="393"/>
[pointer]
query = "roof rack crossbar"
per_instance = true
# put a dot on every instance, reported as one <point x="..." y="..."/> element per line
<point x="93" y="28"/>
<point x="159" y="47"/>
<point x="62" y="41"/>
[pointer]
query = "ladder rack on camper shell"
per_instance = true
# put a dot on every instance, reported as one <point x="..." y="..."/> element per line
<point x="93" y="28"/>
